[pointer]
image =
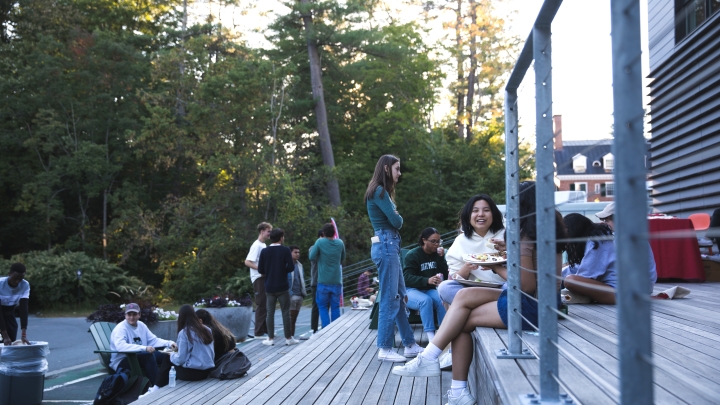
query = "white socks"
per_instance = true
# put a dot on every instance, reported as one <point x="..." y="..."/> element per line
<point x="457" y="387"/>
<point x="431" y="352"/>
<point x="431" y="335"/>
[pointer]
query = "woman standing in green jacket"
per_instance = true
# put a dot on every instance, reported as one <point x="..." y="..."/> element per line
<point x="385" y="252"/>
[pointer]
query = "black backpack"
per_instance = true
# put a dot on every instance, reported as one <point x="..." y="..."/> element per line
<point x="111" y="386"/>
<point x="233" y="364"/>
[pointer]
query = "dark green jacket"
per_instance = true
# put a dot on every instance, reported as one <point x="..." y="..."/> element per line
<point x="420" y="266"/>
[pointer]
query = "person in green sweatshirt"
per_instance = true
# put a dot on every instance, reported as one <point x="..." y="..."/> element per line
<point x="329" y="254"/>
<point x="424" y="269"/>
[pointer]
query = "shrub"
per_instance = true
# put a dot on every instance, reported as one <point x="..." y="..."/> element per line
<point x="53" y="279"/>
<point x="116" y="313"/>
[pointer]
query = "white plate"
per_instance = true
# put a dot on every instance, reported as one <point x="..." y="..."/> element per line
<point x="471" y="283"/>
<point x="472" y="258"/>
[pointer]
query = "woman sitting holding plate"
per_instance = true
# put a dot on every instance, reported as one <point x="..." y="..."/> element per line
<point x="423" y="270"/>
<point x="591" y="275"/>
<point x="481" y="223"/>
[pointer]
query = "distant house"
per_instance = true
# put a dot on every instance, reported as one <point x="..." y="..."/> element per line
<point x="684" y="45"/>
<point x="584" y="166"/>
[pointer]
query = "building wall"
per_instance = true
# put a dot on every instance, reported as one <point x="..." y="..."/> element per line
<point x="685" y="114"/>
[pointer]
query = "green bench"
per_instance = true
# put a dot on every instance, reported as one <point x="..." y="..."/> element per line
<point x="101" y="332"/>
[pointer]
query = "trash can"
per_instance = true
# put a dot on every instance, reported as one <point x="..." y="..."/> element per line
<point x="22" y="373"/>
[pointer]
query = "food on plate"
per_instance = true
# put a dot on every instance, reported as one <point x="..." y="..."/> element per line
<point x="489" y="257"/>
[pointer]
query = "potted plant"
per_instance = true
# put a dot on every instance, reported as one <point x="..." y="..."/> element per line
<point x="234" y="314"/>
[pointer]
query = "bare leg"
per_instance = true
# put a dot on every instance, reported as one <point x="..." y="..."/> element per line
<point x="462" y="355"/>
<point x="575" y="284"/>
<point x="456" y="320"/>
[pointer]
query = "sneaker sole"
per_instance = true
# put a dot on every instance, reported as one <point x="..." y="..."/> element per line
<point x="393" y="360"/>
<point x="423" y="373"/>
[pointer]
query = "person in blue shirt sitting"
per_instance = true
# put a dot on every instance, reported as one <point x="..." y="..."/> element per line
<point x="591" y="271"/>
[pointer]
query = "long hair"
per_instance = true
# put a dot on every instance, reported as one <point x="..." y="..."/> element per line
<point x="580" y="226"/>
<point x="426" y="233"/>
<point x="528" y="219"/>
<point x="188" y="320"/>
<point x="212" y="323"/>
<point x="497" y="222"/>
<point x="382" y="177"/>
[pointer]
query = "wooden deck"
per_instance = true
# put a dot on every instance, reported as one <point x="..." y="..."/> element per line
<point x="686" y="351"/>
<point x="338" y="365"/>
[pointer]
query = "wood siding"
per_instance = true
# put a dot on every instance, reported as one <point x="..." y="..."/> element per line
<point x="685" y="124"/>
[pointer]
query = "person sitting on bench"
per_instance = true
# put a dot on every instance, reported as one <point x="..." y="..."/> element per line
<point x="132" y="335"/>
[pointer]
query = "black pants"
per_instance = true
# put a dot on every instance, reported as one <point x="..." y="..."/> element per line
<point x="149" y="362"/>
<point x="315" y="314"/>
<point x="261" y="307"/>
<point x="182" y="373"/>
<point x="10" y="322"/>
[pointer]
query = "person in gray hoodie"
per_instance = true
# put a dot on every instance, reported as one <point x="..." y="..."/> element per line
<point x="194" y="358"/>
<point x="329" y="254"/>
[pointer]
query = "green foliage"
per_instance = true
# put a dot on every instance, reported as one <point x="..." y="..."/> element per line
<point x="53" y="279"/>
<point x="160" y="151"/>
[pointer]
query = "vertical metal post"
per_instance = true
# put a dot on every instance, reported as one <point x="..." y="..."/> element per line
<point x="545" y="204"/>
<point x="512" y="227"/>
<point x="636" y="380"/>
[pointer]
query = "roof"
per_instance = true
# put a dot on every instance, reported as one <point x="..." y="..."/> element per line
<point x="594" y="150"/>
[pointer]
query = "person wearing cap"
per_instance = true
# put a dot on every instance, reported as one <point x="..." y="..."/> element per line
<point x="14" y="291"/>
<point x="132" y="335"/>
<point x="607" y="215"/>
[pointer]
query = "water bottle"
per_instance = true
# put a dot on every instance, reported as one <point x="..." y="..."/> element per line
<point x="172" y="377"/>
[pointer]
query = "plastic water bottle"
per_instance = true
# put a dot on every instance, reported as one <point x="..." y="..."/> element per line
<point x="172" y="377"/>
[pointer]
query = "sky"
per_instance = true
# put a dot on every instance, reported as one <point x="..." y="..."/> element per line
<point x="581" y="52"/>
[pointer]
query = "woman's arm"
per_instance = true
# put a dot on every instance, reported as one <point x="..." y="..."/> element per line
<point x="388" y="208"/>
<point x="183" y="354"/>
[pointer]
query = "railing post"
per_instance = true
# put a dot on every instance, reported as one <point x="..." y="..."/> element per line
<point x="512" y="229"/>
<point x="634" y="329"/>
<point x="545" y="205"/>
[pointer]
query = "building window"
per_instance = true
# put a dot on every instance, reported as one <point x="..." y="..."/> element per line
<point x="610" y="189"/>
<point x="689" y="14"/>
<point x="597" y="188"/>
<point x="609" y="162"/>
<point x="579" y="163"/>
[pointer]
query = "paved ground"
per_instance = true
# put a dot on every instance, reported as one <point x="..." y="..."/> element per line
<point x="74" y="373"/>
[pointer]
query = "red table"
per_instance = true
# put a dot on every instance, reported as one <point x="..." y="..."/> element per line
<point x="676" y="258"/>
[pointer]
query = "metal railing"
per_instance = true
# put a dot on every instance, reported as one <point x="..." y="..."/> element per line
<point x="633" y="303"/>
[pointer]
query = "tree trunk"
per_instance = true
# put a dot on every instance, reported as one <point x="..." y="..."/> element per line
<point x="473" y="70"/>
<point x="333" y="189"/>
<point x="460" y="74"/>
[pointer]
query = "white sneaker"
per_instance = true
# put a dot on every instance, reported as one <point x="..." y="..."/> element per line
<point x="390" y="355"/>
<point x="418" y="367"/>
<point x="413" y="350"/>
<point x="269" y="342"/>
<point x="306" y="335"/>
<point x="445" y="361"/>
<point x="291" y="341"/>
<point x="464" y="399"/>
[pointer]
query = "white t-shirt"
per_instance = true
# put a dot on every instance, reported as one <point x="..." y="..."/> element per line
<point x="9" y="296"/>
<point x="254" y="256"/>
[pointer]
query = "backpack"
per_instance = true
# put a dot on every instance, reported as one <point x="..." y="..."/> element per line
<point x="231" y="365"/>
<point x="136" y="386"/>
<point x="112" y="385"/>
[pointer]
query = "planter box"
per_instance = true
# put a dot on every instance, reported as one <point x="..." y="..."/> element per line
<point x="164" y="330"/>
<point x="237" y="319"/>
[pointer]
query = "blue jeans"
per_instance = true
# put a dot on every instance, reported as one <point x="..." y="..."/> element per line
<point x="425" y="301"/>
<point x="328" y="295"/>
<point x="386" y="256"/>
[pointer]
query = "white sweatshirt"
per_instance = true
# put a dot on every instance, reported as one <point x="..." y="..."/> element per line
<point x="126" y="338"/>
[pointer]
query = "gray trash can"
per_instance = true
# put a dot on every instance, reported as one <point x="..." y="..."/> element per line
<point x="22" y="373"/>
